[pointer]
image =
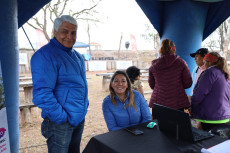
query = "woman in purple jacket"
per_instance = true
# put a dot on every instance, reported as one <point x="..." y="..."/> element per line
<point x="210" y="100"/>
<point x="169" y="76"/>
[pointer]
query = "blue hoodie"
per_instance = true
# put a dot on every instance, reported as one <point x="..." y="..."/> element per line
<point x="59" y="83"/>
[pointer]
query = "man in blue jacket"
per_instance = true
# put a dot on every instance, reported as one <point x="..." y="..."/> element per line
<point x="60" y="88"/>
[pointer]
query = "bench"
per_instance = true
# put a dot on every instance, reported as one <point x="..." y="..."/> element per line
<point x="144" y="70"/>
<point x="148" y="92"/>
<point x="25" y="106"/>
<point x="145" y="75"/>
<point x="25" y="112"/>
<point x="106" y="79"/>
<point x="25" y="79"/>
<point x="27" y="88"/>
<point x="21" y="106"/>
<point x="105" y="74"/>
<point x="144" y="79"/>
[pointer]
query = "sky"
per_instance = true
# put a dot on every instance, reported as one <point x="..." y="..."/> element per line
<point x="119" y="17"/>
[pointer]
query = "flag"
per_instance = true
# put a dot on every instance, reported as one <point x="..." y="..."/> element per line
<point x="133" y="43"/>
<point x="41" y="38"/>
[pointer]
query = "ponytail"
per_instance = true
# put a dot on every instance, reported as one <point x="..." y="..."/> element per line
<point x="220" y="63"/>
<point x="167" y="46"/>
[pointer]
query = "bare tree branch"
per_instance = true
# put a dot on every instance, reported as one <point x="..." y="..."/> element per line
<point x="33" y="26"/>
<point x="57" y="8"/>
<point x="86" y="10"/>
<point x="65" y="3"/>
<point x="227" y="39"/>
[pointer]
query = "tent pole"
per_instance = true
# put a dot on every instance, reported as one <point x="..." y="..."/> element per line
<point x="10" y="67"/>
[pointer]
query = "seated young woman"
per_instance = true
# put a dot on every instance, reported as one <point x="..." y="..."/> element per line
<point x="210" y="99"/>
<point x="124" y="107"/>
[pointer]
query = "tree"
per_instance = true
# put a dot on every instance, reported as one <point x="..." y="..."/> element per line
<point x="152" y="36"/>
<point x="212" y="42"/>
<point x="227" y="37"/>
<point x="44" y="19"/>
<point x="220" y="38"/>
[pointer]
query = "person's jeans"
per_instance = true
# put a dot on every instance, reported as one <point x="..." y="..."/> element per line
<point x="62" y="138"/>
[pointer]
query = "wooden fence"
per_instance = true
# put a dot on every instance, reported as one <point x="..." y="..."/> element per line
<point x="24" y="62"/>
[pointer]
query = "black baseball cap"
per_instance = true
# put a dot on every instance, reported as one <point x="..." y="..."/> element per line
<point x="201" y="51"/>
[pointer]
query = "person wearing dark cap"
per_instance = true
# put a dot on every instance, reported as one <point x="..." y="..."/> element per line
<point x="199" y="56"/>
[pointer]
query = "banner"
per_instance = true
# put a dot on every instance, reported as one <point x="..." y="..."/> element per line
<point x="41" y="38"/>
<point x="123" y="65"/>
<point x="97" y="65"/>
<point x="23" y="60"/>
<point x="133" y="43"/>
<point x="4" y="134"/>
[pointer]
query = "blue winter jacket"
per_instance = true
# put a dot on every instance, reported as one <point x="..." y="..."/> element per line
<point x="59" y="83"/>
<point x="118" y="117"/>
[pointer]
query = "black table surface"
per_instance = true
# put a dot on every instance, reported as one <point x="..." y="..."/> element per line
<point x="152" y="141"/>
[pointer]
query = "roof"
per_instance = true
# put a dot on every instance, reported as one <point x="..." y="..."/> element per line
<point x="28" y="8"/>
<point x="79" y="44"/>
<point x="217" y="12"/>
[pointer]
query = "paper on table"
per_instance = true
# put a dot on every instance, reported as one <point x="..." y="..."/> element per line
<point x="223" y="147"/>
<point x="203" y="150"/>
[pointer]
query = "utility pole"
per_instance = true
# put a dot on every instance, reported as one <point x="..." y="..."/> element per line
<point x="120" y="46"/>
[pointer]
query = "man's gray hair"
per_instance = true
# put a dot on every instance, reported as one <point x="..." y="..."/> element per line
<point x="64" y="18"/>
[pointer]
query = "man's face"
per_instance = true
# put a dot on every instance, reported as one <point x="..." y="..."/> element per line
<point x="66" y="34"/>
<point x="199" y="60"/>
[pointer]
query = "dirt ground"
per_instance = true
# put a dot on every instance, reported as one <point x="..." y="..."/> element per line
<point x="31" y="140"/>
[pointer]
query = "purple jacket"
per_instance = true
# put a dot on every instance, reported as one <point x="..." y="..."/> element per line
<point x="169" y="76"/>
<point x="210" y="100"/>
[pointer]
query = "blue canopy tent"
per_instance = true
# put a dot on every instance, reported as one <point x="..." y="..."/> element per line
<point x="14" y="13"/>
<point x="186" y="22"/>
<point x="79" y="44"/>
